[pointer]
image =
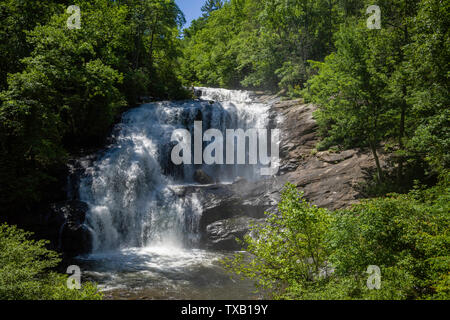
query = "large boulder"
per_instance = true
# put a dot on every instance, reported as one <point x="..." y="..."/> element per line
<point x="201" y="177"/>
<point x="229" y="209"/>
<point x="74" y="237"/>
<point x="224" y="234"/>
<point x="240" y="199"/>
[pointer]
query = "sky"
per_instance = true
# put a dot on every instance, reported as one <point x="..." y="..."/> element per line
<point x="191" y="9"/>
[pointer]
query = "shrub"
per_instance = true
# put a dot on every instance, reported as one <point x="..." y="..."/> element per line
<point x="309" y="253"/>
<point x="26" y="270"/>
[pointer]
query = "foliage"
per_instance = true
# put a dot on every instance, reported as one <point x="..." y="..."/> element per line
<point x="389" y="86"/>
<point x="289" y="250"/>
<point x="210" y="6"/>
<point x="405" y="237"/>
<point x="19" y="17"/>
<point x="264" y="44"/>
<point x="427" y="66"/>
<point x="26" y="271"/>
<point x="309" y="253"/>
<point x="349" y="91"/>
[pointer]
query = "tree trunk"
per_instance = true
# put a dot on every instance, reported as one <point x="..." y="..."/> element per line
<point x="404" y="106"/>
<point x="400" y="140"/>
<point x="377" y="162"/>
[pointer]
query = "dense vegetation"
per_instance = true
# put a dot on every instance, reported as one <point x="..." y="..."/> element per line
<point x="26" y="271"/>
<point x="305" y="252"/>
<point x="263" y="44"/>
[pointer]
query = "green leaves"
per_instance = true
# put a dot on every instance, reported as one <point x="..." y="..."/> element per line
<point x="259" y="44"/>
<point x="389" y="86"/>
<point x="25" y="270"/>
<point x="289" y="249"/>
<point x="304" y="252"/>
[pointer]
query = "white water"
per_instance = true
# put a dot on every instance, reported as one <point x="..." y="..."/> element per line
<point x="130" y="188"/>
<point x="141" y="228"/>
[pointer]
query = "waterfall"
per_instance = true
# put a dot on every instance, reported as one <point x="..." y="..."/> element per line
<point x="131" y="187"/>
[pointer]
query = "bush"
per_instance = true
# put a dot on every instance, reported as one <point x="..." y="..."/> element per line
<point x="25" y="270"/>
<point x="289" y="251"/>
<point x="309" y="253"/>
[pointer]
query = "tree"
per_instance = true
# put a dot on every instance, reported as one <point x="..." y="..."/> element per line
<point x="26" y="270"/>
<point x="288" y="250"/>
<point x="304" y="252"/>
<point x="404" y="235"/>
<point x="210" y="6"/>
<point x="349" y="90"/>
<point x="74" y="83"/>
<point x="427" y="65"/>
<point x="17" y="18"/>
<point x="263" y="44"/>
<point x="66" y="96"/>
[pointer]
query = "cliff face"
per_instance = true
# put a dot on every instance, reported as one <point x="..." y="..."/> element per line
<point x="329" y="180"/>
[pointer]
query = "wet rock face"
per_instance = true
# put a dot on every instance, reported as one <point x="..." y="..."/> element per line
<point x="240" y="199"/>
<point x="74" y="237"/>
<point x="223" y="234"/>
<point x="229" y="210"/>
<point x="201" y="177"/>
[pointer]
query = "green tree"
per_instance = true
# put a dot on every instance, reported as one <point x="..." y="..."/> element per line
<point x="66" y="96"/>
<point x="405" y="235"/>
<point x="304" y="252"/>
<point x="73" y="85"/>
<point x="289" y="250"/>
<point x="210" y="6"/>
<point x="19" y="17"/>
<point x="26" y="271"/>
<point x="349" y="90"/>
<point x="428" y="58"/>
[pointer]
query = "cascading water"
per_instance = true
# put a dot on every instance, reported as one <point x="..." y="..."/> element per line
<point x="130" y="188"/>
<point x="135" y="211"/>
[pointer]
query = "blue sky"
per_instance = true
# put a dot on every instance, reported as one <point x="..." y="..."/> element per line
<point x="191" y="9"/>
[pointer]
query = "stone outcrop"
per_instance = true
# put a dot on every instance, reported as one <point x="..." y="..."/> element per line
<point x="328" y="179"/>
<point x="201" y="177"/>
<point x="74" y="237"/>
<point x="222" y="235"/>
<point x="229" y="209"/>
